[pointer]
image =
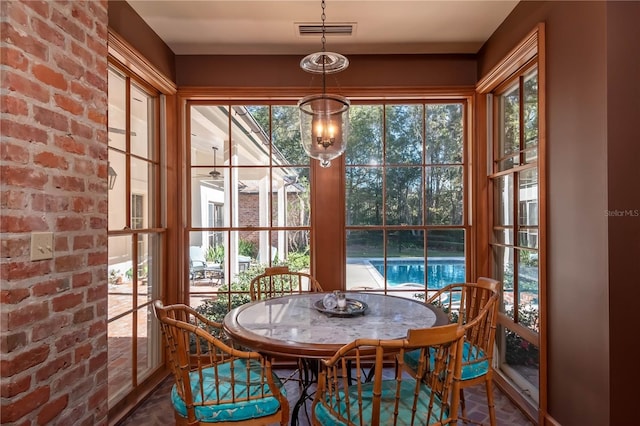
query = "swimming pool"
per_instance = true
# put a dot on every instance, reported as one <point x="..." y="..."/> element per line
<point x="440" y="271"/>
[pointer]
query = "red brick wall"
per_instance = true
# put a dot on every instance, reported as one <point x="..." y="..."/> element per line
<point x="53" y="346"/>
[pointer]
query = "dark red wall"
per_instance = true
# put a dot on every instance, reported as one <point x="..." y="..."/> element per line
<point x="592" y="104"/>
<point x="364" y="70"/>
<point x="128" y="24"/>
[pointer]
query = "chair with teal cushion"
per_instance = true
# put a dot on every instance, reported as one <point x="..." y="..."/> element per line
<point x="429" y="396"/>
<point x="473" y="306"/>
<point x="216" y="383"/>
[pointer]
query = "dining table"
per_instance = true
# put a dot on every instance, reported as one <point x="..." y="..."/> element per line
<point x="300" y="326"/>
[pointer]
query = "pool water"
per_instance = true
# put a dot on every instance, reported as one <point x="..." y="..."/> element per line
<point x="440" y="271"/>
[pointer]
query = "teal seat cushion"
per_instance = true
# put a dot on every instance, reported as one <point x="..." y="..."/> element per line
<point x="325" y="417"/>
<point x="469" y="354"/>
<point x="239" y="411"/>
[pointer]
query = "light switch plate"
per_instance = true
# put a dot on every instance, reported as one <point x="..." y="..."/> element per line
<point x="41" y="245"/>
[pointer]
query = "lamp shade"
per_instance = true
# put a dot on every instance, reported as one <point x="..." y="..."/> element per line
<point x="324" y="126"/>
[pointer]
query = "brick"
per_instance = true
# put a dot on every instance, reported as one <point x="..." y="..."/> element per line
<point x="48" y="33"/>
<point x="23" y="131"/>
<point x="70" y="339"/>
<point x="40" y="7"/>
<point x="68" y="263"/>
<point x="83" y="315"/>
<point x="70" y="223"/>
<point x="68" y="377"/>
<point x="22" y="224"/>
<point x="50" y="160"/>
<point x="27" y="315"/>
<point x="15" y="59"/>
<point x="98" y="362"/>
<point x="69" y="26"/>
<point x="83" y="279"/>
<point x="83" y="204"/>
<point x="14" y="153"/>
<point x="66" y="301"/>
<point x="15" y="247"/>
<point x="13" y="13"/>
<point x="68" y="104"/>
<point x="98" y="400"/>
<point x="97" y="258"/>
<point x="50" y="118"/>
<point x="69" y="144"/>
<point x="24" y="177"/>
<point x="96" y="293"/>
<point x="82" y="352"/>
<point x="23" y="360"/>
<point x="61" y="243"/>
<point x="97" y="116"/>
<point x="49" y="327"/>
<point x="98" y="222"/>
<point x="85" y="167"/>
<point x="13" y="106"/>
<point x="19" y="408"/>
<point x="49" y="369"/>
<point x="9" y="342"/>
<point x="69" y="183"/>
<point x="70" y="66"/>
<point x="49" y="76"/>
<point x="52" y="409"/>
<point x="82" y="242"/>
<point x="13" y="200"/>
<point x="50" y="287"/>
<point x="13" y="296"/>
<point x="97" y="328"/>
<point x="23" y="270"/>
<point x="49" y="203"/>
<point x="23" y="41"/>
<point x="15" y="386"/>
<point x="81" y="53"/>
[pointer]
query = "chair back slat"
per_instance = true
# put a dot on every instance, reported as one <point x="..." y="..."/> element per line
<point x="427" y="397"/>
<point x="207" y="369"/>
<point x="279" y="281"/>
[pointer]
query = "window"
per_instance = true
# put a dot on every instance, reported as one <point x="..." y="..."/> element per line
<point x="406" y="221"/>
<point x="249" y="198"/>
<point x="134" y="239"/>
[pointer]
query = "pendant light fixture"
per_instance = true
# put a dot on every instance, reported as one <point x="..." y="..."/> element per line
<point x="324" y="118"/>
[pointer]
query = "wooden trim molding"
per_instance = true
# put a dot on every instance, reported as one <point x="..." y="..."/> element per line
<point x="532" y="48"/>
<point x="294" y="94"/>
<point x="515" y="59"/>
<point x="133" y="60"/>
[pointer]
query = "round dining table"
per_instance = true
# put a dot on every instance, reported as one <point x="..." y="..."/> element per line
<point x="298" y="325"/>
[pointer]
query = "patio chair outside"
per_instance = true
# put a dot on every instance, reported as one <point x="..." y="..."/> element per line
<point x="474" y="306"/>
<point x="216" y="383"/>
<point x="428" y="396"/>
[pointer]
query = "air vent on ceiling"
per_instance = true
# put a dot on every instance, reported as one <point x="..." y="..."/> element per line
<point x="333" y="29"/>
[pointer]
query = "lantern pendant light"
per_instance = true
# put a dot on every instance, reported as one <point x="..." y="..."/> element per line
<point x="324" y="118"/>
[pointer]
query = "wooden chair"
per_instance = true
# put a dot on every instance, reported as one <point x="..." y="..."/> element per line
<point x="474" y="306"/>
<point x="428" y="396"/>
<point x="279" y="281"/>
<point x="215" y="383"/>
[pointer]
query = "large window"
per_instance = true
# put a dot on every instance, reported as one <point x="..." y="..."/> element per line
<point x="249" y="199"/>
<point x="134" y="237"/>
<point x="515" y="239"/>
<point x="406" y="211"/>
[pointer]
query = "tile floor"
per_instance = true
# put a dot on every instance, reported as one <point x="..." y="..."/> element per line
<point x="156" y="410"/>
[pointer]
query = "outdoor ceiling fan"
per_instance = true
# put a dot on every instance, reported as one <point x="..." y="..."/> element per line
<point x="215" y="174"/>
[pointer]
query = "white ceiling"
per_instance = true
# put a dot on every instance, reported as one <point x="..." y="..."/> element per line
<point x="269" y="27"/>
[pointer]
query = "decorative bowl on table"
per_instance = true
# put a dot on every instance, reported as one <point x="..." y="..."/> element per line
<point x="352" y="308"/>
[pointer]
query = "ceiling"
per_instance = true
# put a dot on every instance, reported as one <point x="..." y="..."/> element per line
<point x="251" y="27"/>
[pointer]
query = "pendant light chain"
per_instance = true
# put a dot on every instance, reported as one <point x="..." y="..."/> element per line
<point x="324" y="58"/>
